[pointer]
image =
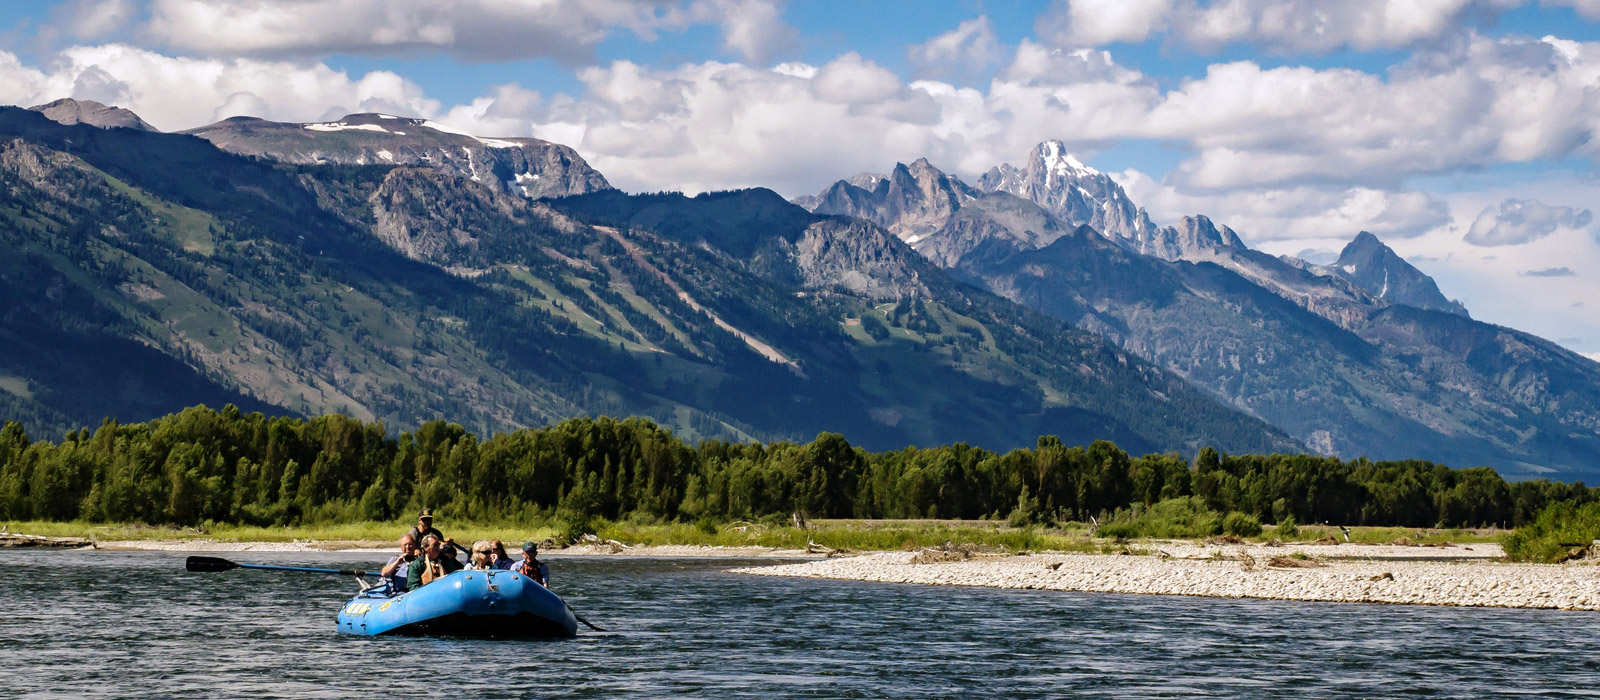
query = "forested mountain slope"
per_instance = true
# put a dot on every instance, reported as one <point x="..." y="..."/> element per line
<point x="408" y="292"/>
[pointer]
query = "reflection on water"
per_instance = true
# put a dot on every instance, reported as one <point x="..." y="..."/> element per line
<point x="135" y="624"/>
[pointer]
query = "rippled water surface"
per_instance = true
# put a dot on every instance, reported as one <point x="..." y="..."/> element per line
<point x="135" y="624"/>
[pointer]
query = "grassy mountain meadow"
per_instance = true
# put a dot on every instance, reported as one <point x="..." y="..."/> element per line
<point x="145" y="272"/>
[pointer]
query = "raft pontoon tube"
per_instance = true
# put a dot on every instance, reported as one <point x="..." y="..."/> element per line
<point x="471" y="603"/>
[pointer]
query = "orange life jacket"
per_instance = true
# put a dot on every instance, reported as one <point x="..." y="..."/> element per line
<point x="431" y="569"/>
<point x="527" y="568"/>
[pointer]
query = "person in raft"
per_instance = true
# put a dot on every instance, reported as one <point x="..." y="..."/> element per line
<point x="395" y="572"/>
<point x="530" y="565"/>
<point x="432" y="565"/>
<point x="425" y="527"/>
<point x="498" y="559"/>
<point x="480" y="558"/>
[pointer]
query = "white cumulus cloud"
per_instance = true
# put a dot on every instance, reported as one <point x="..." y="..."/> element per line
<point x="181" y="93"/>
<point x="566" y="30"/>
<point x="1302" y="213"/>
<point x="1486" y="101"/>
<point x="92" y="19"/>
<point x="1076" y="23"/>
<point x="1282" y="26"/>
<point x="1518" y="221"/>
<point x="964" y="52"/>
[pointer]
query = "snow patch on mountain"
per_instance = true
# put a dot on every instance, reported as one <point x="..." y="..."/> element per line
<point x="436" y="126"/>
<point x="341" y="126"/>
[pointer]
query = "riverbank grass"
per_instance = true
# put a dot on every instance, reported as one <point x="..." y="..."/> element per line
<point x="850" y="535"/>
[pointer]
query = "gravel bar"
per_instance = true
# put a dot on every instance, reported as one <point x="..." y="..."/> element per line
<point x="1458" y="582"/>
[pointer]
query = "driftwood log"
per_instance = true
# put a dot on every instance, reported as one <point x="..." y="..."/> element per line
<point x="12" y="539"/>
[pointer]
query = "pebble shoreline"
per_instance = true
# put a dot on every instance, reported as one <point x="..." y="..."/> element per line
<point x="387" y="548"/>
<point x="1414" y="578"/>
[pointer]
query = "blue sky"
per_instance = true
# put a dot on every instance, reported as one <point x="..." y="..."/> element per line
<point x="1462" y="132"/>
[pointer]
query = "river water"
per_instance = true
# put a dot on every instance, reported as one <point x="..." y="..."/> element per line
<point x="135" y="624"/>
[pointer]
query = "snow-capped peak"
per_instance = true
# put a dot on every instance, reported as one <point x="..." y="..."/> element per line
<point x="1057" y="161"/>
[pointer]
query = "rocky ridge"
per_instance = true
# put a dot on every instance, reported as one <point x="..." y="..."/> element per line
<point x="69" y="111"/>
<point x="523" y="166"/>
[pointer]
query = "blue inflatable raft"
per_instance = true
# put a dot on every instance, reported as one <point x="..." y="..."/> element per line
<point x="465" y="603"/>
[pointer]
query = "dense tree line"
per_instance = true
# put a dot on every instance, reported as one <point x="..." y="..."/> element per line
<point x="232" y="466"/>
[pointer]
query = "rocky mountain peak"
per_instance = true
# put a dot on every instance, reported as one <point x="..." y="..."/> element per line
<point x="912" y="201"/>
<point x="857" y="256"/>
<point x="1198" y="232"/>
<point x="867" y="181"/>
<point x="1370" y="264"/>
<point x="1364" y="244"/>
<point x="69" y="111"/>
<point x="1074" y="192"/>
<point x="1052" y="158"/>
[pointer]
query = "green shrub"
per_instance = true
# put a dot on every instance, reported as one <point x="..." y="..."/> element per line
<point x="1176" y="518"/>
<point x="1241" y="524"/>
<point x="1027" y="511"/>
<point x="575" y="528"/>
<point x="1287" y="528"/>
<point x="1550" y="536"/>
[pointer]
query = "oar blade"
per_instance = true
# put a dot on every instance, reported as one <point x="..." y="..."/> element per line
<point x="579" y="618"/>
<point x="208" y="564"/>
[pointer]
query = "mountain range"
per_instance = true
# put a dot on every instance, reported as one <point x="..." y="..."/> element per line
<point x="293" y="268"/>
<point x="400" y="270"/>
<point x="1361" y="357"/>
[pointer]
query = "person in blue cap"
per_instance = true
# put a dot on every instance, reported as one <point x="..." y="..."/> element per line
<point x="530" y="565"/>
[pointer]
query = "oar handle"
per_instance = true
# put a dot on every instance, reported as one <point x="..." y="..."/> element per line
<point x="311" y="570"/>
<point x="197" y="563"/>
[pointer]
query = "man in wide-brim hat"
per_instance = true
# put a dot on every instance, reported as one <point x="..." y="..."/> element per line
<point x="425" y="527"/>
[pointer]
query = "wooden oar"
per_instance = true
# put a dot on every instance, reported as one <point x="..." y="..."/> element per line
<point x="210" y="564"/>
<point x="586" y="623"/>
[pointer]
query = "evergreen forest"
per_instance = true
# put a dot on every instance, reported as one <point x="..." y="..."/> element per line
<point x="232" y="466"/>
